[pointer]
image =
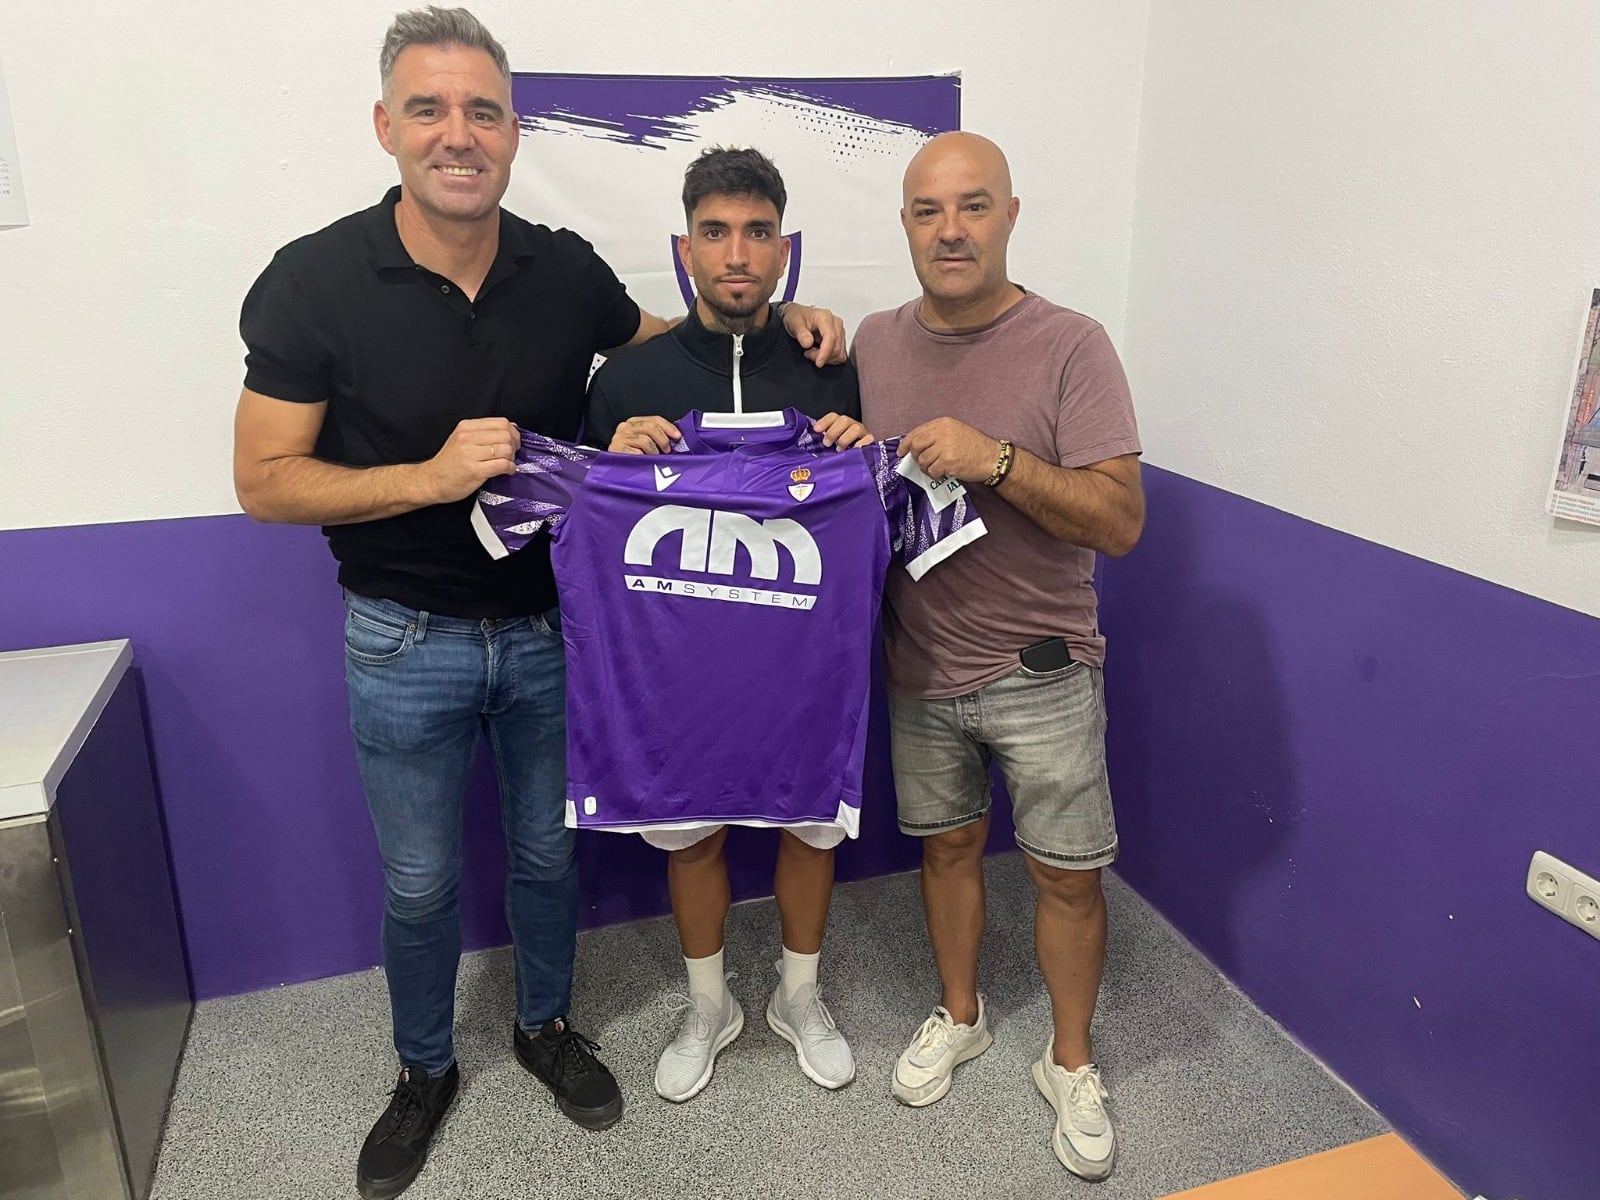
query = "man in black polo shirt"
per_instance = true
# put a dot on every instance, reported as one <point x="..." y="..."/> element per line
<point x="391" y="359"/>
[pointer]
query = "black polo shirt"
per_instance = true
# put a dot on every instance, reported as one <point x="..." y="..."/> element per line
<point x="400" y="355"/>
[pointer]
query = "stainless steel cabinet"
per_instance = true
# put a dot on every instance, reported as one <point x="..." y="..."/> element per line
<point x="94" y="993"/>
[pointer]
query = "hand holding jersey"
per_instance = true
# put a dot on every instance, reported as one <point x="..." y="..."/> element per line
<point x="842" y="432"/>
<point x="476" y="451"/>
<point x="644" y="435"/>
<point x="1099" y="506"/>
<point x="948" y="449"/>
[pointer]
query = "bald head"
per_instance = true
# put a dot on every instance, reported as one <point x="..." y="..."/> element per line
<point x="970" y="155"/>
<point x="958" y="216"/>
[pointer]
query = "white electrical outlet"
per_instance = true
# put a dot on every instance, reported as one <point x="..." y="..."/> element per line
<point x="1565" y="891"/>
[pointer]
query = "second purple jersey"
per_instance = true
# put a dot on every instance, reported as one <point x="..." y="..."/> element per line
<point x="718" y="607"/>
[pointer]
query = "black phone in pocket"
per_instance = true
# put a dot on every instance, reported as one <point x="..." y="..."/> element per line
<point x="1049" y="655"/>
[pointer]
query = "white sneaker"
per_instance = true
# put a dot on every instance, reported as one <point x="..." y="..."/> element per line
<point x="807" y="1025"/>
<point x="687" y="1062"/>
<point x="1084" y="1139"/>
<point x="926" y="1067"/>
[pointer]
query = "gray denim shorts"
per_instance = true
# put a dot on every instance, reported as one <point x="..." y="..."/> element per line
<point x="1047" y="734"/>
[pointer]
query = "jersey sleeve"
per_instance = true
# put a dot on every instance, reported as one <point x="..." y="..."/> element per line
<point x="512" y="509"/>
<point x="929" y="519"/>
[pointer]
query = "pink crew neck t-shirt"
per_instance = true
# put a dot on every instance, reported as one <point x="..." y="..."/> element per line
<point x="1048" y="379"/>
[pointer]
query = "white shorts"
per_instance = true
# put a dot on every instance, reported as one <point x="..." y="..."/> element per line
<point x="818" y="836"/>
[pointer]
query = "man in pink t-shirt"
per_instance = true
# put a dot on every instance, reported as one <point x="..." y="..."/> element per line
<point x="996" y="657"/>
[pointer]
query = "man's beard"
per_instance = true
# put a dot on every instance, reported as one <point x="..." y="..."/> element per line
<point x="734" y="318"/>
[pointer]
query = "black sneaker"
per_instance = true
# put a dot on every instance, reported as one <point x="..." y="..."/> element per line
<point x="398" y="1144"/>
<point x="564" y="1059"/>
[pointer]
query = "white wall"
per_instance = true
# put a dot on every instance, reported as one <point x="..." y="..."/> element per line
<point x="169" y="149"/>
<point x="1364" y="243"/>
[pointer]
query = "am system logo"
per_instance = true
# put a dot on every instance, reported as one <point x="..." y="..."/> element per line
<point x="709" y="544"/>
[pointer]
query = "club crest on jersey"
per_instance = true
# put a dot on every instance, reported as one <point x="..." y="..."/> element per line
<point x="801" y="487"/>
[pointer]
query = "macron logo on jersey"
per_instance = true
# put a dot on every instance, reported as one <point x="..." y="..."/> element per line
<point x="666" y="477"/>
<point x="709" y="545"/>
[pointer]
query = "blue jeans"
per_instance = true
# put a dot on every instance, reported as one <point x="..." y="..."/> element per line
<point x="423" y="689"/>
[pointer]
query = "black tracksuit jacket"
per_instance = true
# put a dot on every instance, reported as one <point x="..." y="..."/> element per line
<point x="693" y="368"/>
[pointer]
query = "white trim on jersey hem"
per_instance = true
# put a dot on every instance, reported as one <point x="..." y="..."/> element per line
<point x="486" y="534"/>
<point x="847" y="818"/>
<point x="945" y="547"/>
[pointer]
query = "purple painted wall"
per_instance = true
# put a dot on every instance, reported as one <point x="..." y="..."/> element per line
<point x="1332" y="762"/>
<point x="238" y="635"/>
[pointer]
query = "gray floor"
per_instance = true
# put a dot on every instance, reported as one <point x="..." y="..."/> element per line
<point x="278" y="1088"/>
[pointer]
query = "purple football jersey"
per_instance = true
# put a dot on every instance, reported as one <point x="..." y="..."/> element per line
<point x="718" y="605"/>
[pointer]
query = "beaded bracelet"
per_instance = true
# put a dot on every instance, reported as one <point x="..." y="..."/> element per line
<point x="1002" y="466"/>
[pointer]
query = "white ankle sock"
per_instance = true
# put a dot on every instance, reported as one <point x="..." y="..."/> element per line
<point x="797" y="971"/>
<point x="705" y="977"/>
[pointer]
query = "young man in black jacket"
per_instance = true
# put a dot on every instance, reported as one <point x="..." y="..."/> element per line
<point x="730" y="355"/>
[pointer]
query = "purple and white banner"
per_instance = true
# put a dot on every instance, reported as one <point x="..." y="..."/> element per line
<point x="605" y="154"/>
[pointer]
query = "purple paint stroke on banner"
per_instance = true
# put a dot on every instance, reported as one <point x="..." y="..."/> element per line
<point x="658" y="111"/>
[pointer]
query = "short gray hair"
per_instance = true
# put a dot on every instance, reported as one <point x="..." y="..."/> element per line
<point x="434" y="26"/>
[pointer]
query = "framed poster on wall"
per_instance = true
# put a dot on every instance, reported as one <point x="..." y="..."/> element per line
<point x="13" y="200"/>
<point x="1575" y="491"/>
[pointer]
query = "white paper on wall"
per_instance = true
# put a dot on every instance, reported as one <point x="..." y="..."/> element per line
<point x="13" y="202"/>
<point x="605" y="156"/>
<point x="1575" y="492"/>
